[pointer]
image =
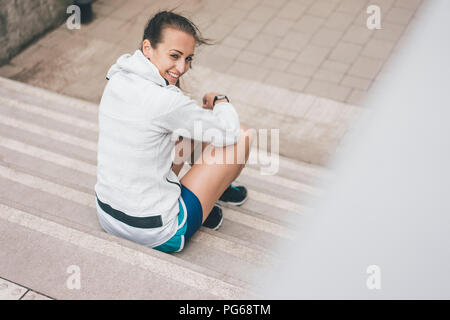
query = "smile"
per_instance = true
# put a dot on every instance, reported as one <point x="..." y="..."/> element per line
<point x="173" y="75"/>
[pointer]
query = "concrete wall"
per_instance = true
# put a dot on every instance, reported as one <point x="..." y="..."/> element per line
<point x="22" y="21"/>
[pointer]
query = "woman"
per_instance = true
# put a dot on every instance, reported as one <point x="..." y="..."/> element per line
<point x="142" y="113"/>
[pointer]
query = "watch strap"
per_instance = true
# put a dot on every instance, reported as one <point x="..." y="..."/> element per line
<point x="218" y="97"/>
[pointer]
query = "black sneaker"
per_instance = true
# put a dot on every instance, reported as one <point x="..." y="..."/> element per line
<point x="215" y="218"/>
<point x="235" y="195"/>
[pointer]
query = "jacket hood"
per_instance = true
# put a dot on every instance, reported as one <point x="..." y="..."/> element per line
<point x="137" y="64"/>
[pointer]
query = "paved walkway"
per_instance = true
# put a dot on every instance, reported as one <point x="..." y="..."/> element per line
<point x="317" y="58"/>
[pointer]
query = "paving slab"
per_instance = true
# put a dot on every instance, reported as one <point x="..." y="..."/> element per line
<point x="10" y="290"/>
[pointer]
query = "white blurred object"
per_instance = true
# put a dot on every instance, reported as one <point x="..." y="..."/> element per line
<point x="382" y="230"/>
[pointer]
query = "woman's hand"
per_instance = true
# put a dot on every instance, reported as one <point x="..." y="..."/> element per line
<point x="208" y="100"/>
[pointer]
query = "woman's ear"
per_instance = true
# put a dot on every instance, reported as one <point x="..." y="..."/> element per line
<point x="146" y="48"/>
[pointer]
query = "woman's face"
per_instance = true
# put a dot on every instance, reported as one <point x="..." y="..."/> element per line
<point x="173" y="55"/>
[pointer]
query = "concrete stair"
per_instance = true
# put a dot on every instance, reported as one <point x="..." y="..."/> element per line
<point x="48" y="222"/>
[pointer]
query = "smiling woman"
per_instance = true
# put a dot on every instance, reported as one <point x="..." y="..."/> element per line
<point x="142" y="114"/>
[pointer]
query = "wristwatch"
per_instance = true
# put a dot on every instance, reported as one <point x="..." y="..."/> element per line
<point x="218" y="97"/>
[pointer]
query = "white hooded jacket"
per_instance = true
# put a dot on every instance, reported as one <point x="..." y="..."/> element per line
<point x="138" y="114"/>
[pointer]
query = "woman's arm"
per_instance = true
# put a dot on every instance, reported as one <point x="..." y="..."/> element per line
<point x="218" y="124"/>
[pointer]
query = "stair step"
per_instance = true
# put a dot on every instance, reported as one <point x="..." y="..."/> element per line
<point x="51" y="114"/>
<point x="76" y="112"/>
<point x="47" y="96"/>
<point x="56" y="122"/>
<point x="47" y="142"/>
<point x="284" y="182"/>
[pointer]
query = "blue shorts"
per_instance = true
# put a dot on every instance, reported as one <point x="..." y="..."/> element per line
<point x="189" y="221"/>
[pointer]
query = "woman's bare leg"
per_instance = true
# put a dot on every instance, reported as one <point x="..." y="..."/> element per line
<point x="211" y="175"/>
